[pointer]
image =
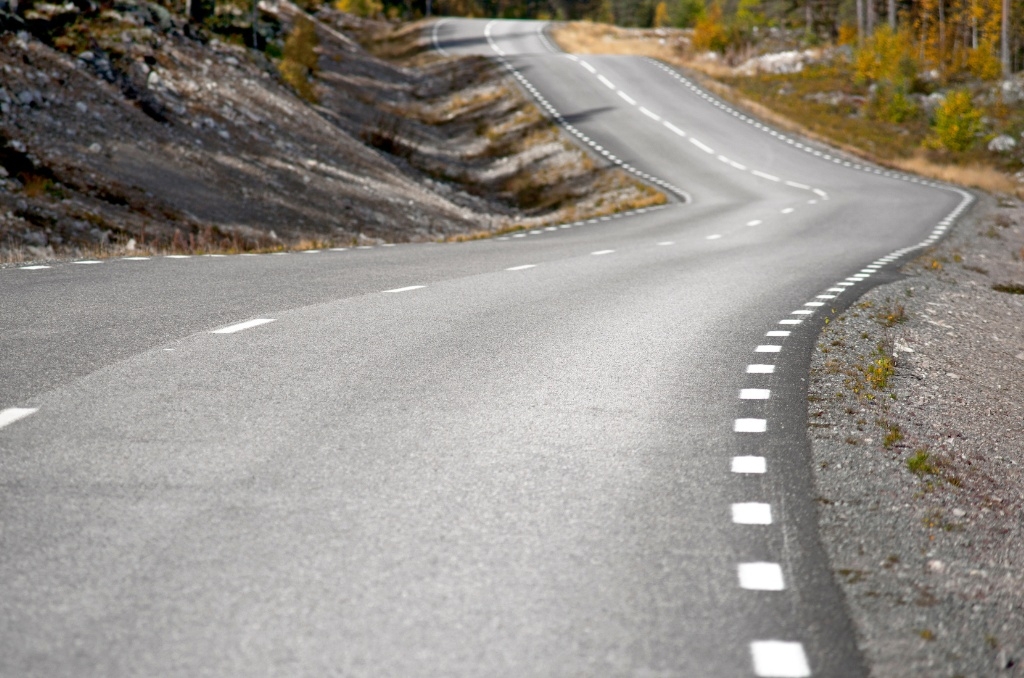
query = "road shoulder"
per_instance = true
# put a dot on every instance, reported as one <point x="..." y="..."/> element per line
<point x="915" y="418"/>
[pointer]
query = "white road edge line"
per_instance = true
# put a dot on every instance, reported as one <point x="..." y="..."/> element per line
<point x="238" y="327"/>
<point x="751" y="513"/>
<point x="761" y="576"/>
<point x="13" y="414"/>
<point x="748" y="465"/>
<point x="779" y="659"/>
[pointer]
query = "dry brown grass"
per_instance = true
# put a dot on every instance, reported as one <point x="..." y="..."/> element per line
<point x="588" y="38"/>
<point x="584" y="37"/>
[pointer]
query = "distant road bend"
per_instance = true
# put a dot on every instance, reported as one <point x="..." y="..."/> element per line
<point x="576" y="452"/>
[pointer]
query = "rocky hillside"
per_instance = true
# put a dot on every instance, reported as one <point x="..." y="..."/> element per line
<point x="124" y="126"/>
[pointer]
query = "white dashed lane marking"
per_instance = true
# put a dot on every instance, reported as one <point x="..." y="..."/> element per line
<point x="675" y="129"/>
<point x="748" y="465"/>
<point x="238" y="327"/>
<point x="521" y="268"/>
<point x="761" y="576"/>
<point x="13" y="414"/>
<point x="606" y="82"/>
<point x="628" y="99"/>
<point x="410" y="288"/>
<point x="600" y="252"/>
<point x="754" y="394"/>
<point x="752" y="513"/>
<point x="702" y="146"/>
<point x="768" y="348"/>
<point x="760" y="369"/>
<point x="86" y="262"/>
<point x="38" y="267"/>
<point x="779" y="659"/>
<point x="750" y="426"/>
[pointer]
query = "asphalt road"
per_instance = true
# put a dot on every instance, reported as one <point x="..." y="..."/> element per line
<point x="527" y="456"/>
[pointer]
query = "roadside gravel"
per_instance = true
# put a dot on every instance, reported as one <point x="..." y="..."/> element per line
<point x="916" y="416"/>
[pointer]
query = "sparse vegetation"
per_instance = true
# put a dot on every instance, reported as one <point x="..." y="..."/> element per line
<point x="920" y="463"/>
<point x="299" y="62"/>
<point x="1009" y="288"/>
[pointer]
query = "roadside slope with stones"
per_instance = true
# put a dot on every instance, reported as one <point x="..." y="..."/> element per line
<point x="146" y="134"/>
<point x="916" y="415"/>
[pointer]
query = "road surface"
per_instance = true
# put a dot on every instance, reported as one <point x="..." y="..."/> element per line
<point x="575" y="452"/>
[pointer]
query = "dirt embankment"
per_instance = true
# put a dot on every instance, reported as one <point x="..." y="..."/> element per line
<point x="125" y="128"/>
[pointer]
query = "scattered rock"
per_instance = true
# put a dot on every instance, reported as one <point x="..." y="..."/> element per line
<point x="1002" y="144"/>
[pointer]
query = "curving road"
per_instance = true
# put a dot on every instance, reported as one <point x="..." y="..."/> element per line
<point x="578" y="452"/>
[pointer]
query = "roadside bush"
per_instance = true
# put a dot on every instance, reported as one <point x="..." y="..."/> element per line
<point x="983" y="62"/>
<point x="709" y="32"/>
<point x="365" y="8"/>
<point x="957" y="123"/>
<point x="300" y="61"/>
<point x="689" y="12"/>
<point x="891" y="104"/>
<point x="887" y="56"/>
<point x="660" y="15"/>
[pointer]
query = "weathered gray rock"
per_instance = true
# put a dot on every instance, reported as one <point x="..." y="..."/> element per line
<point x="1002" y="144"/>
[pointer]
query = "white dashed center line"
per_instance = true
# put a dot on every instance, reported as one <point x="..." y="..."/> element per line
<point x="768" y="348"/>
<point x="238" y="327"/>
<point x="752" y="513"/>
<point x="521" y="268"/>
<point x="777" y="333"/>
<point x="600" y="252"/>
<point x="628" y="99"/>
<point x="186" y="256"/>
<point x="702" y="146"/>
<point x="769" y="177"/>
<point x="652" y="116"/>
<point x="606" y="82"/>
<point x="755" y="222"/>
<point x="675" y="129"/>
<point x="754" y="394"/>
<point x="135" y="259"/>
<point x="86" y="262"/>
<point x="13" y="414"/>
<point x="410" y="288"/>
<point x="716" y="236"/>
<point x="32" y="268"/>
<point x="788" y="210"/>
<point x="760" y="369"/>
<point x="667" y="242"/>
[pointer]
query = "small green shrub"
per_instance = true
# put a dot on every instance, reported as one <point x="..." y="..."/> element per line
<point x="300" y="60"/>
<point x="920" y="464"/>
<point x="957" y="123"/>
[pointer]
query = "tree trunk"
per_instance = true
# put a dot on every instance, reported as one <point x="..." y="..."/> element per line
<point x="860" y="21"/>
<point x="1004" y="39"/>
<point x="892" y="14"/>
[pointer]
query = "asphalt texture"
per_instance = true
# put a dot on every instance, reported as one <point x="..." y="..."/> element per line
<point x="499" y="473"/>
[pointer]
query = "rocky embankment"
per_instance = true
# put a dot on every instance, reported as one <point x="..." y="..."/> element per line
<point x="125" y="127"/>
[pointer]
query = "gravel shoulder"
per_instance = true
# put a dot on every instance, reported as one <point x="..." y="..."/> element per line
<point x="916" y="416"/>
